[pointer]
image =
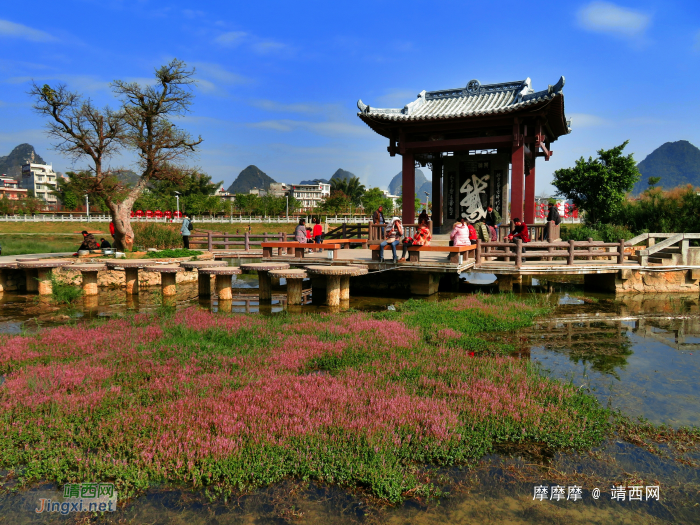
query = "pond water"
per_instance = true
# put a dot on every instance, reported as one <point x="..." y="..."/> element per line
<point x="639" y="354"/>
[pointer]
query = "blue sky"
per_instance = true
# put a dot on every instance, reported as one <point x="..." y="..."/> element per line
<point x="279" y="81"/>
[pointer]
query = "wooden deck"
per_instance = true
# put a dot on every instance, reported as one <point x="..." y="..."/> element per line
<point x="429" y="263"/>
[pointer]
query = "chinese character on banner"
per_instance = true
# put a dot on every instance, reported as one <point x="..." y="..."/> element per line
<point x="635" y="493"/>
<point x="541" y="492"/>
<point x="575" y="493"/>
<point x="618" y="493"/>
<point x="557" y="492"/>
<point x="653" y="493"/>
<point x="71" y="490"/>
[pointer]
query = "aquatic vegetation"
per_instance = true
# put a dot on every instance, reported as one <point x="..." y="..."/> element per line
<point x="173" y="252"/>
<point x="235" y="402"/>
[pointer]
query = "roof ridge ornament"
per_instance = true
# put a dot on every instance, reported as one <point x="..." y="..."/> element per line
<point x="473" y="86"/>
<point x="364" y="108"/>
<point x="526" y="90"/>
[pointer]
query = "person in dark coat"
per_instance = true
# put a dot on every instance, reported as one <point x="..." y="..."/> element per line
<point x="378" y="216"/>
<point x="89" y="242"/>
<point x="552" y="216"/>
<point x="104" y="243"/>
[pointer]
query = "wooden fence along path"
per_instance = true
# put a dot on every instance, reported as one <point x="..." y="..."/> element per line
<point x="505" y="251"/>
<point x="216" y="240"/>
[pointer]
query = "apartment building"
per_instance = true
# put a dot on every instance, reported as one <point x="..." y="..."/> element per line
<point x="9" y="189"/>
<point x="311" y="195"/>
<point x="41" y="179"/>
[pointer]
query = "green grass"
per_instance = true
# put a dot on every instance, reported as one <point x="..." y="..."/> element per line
<point x="173" y="252"/>
<point x="20" y="245"/>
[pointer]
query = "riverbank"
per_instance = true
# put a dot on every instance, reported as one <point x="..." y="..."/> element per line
<point x="239" y="402"/>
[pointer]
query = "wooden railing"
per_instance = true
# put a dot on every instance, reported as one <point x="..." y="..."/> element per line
<point x="376" y="231"/>
<point x="347" y="231"/>
<point x="506" y="251"/>
<point x="537" y="232"/>
<point x="214" y="240"/>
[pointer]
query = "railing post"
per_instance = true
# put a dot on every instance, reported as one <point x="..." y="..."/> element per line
<point x="589" y="257"/>
<point x="685" y="244"/>
<point x="477" y="256"/>
<point x="518" y="252"/>
<point x="247" y="241"/>
<point x="621" y="255"/>
<point x="209" y="244"/>
<point x="344" y="234"/>
<point x="570" y="262"/>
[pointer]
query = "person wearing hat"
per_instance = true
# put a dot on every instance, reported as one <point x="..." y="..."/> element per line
<point x="392" y="236"/>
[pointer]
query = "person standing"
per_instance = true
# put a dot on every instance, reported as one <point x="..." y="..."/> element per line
<point x="111" y="229"/>
<point x="300" y="231"/>
<point x="552" y="216"/>
<point x="186" y="230"/>
<point x="317" y="232"/>
<point x="492" y="220"/>
<point x="378" y="216"/>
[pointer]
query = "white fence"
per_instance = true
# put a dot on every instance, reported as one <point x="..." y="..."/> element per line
<point x="201" y="220"/>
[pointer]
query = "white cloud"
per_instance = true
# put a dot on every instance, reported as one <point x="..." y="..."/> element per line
<point x="13" y="30"/>
<point x="271" y="105"/>
<point x="268" y="46"/>
<point x="609" y="18"/>
<point x="232" y="38"/>
<point x="218" y="74"/>
<point x="395" y="98"/>
<point x="78" y="83"/>
<point x="584" y="120"/>
<point x="319" y="128"/>
<point x="258" y="45"/>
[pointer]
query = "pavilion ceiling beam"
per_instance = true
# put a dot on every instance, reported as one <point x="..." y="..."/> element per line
<point x="456" y="144"/>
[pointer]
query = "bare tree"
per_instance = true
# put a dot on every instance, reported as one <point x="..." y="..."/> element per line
<point x="142" y="125"/>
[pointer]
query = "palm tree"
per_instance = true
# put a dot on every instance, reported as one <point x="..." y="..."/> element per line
<point x="350" y="187"/>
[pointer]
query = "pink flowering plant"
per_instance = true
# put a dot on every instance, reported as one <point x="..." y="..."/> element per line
<point x="234" y="402"/>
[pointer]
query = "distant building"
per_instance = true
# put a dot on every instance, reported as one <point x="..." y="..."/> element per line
<point x="41" y="179"/>
<point x="311" y="195"/>
<point x="257" y="191"/>
<point x="9" y="189"/>
<point x="392" y="197"/>
<point x="279" y="189"/>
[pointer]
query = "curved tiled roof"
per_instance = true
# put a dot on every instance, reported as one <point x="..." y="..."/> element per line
<point x="473" y="100"/>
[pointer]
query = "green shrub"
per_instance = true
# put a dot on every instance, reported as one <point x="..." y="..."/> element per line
<point x="177" y="252"/>
<point x="603" y="232"/>
<point x="63" y="293"/>
<point x="154" y="235"/>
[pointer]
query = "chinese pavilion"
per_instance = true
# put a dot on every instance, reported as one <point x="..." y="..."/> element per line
<point x="471" y="138"/>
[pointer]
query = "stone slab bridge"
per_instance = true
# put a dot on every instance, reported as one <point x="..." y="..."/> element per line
<point x="651" y="262"/>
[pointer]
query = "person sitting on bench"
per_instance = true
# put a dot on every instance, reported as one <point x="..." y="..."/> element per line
<point x="104" y="243"/>
<point x="421" y="238"/>
<point x="392" y="237"/>
<point x="519" y="231"/>
<point x="89" y="242"/>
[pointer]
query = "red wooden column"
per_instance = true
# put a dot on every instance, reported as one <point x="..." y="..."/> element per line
<point x="436" y="197"/>
<point x="530" y="192"/>
<point x="517" y="174"/>
<point x="408" y="188"/>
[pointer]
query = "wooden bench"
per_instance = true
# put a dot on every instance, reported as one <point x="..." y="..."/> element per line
<point x="414" y="251"/>
<point x="345" y="243"/>
<point x="297" y="247"/>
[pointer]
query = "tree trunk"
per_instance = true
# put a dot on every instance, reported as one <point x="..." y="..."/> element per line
<point x="121" y="217"/>
<point x="123" y="232"/>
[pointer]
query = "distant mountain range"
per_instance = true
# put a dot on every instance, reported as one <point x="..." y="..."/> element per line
<point x="249" y="178"/>
<point x="677" y="163"/>
<point x="339" y="174"/>
<point x="422" y="184"/>
<point x="11" y="165"/>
